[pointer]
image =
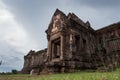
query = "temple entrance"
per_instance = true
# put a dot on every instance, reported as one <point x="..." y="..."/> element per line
<point x="77" y="42"/>
<point x="56" y="48"/>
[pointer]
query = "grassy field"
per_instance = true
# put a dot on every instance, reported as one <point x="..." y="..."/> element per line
<point x="115" y="75"/>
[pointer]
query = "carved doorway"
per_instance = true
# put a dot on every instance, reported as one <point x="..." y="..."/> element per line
<point x="56" y="48"/>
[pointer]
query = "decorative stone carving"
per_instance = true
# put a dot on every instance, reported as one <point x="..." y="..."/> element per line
<point x="73" y="46"/>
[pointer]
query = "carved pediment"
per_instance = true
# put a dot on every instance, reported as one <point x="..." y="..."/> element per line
<point x="54" y="29"/>
<point x="57" y="22"/>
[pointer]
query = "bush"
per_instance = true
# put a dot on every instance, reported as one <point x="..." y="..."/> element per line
<point x="14" y="71"/>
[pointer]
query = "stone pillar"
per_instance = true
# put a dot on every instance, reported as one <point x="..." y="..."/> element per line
<point x="71" y="46"/>
<point x="49" y="51"/>
<point x="71" y="42"/>
<point x="52" y="51"/>
<point x="62" y="47"/>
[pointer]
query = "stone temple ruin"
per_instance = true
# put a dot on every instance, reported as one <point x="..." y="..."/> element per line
<point x="73" y="45"/>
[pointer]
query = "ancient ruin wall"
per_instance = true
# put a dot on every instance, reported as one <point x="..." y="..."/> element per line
<point x="73" y="45"/>
<point x="34" y="61"/>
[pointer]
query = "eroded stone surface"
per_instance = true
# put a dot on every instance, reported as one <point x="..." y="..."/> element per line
<point x="73" y="45"/>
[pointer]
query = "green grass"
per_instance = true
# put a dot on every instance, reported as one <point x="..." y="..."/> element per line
<point x="83" y="75"/>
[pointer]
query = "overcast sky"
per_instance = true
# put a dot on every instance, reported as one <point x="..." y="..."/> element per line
<point x="23" y="24"/>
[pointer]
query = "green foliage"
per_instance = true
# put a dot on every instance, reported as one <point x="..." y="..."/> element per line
<point x="14" y="71"/>
<point x="0" y="62"/>
<point x="115" y="75"/>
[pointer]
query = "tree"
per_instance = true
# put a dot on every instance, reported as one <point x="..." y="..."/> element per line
<point x="14" y="71"/>
<point x="0" y="62"/>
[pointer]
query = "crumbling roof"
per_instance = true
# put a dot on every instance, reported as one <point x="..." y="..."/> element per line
<point x="32" y="52"/>
<point x="76" y="18"/>
<point x="79" y="21"/>
<point x="109" y="27"/>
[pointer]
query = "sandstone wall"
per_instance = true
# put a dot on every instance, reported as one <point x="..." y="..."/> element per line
<point x="109" y="44"/>
<point x="73" y="45"/>
<point x="34" y="61"/>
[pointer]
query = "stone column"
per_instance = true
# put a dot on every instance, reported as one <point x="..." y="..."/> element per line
<point x="71" y="45"/>
<point x="49" y="51"/>
<point x="71" y="42"/>
<point x="52" y="51"/>
<point x="62" y="47"/>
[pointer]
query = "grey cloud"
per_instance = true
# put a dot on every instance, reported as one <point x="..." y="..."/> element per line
<point x="5" y="69"/>
<point x="29" y="13"/>
<point x="35" y="15"/>
<point x="10" y="57"/>
<point x="100" y="3"/>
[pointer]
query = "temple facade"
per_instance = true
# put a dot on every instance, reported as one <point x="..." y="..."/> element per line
<point x="73" y="45"/>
